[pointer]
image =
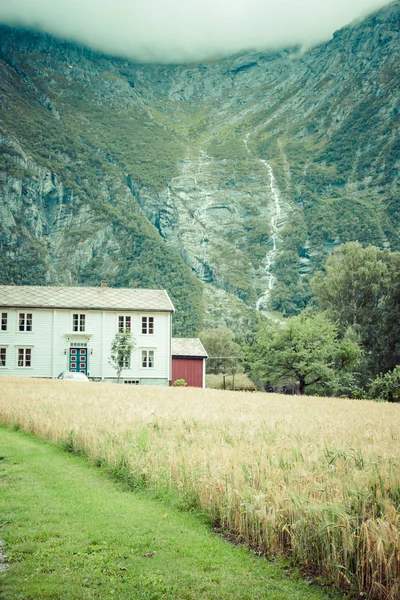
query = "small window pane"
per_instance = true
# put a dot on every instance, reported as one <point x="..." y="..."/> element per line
<point x="81" y="322"/>
<point x="20" y="357"/>
<point x="127" y="323"/>
<point x="148" y="358"/>
<point x="29" y="322"/>
<point x="144" y="324"/>
<point x="4" y="321"/>
<point x="28" y="357"/>
<point x="120" y="324"/>
<point x="151" y="324"/>
<point x="21" y="321"/>
<point x="3" y="355"/>
<point x="75" y="322"/>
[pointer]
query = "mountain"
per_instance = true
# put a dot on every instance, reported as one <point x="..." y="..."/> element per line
<point x="226" y="182"/>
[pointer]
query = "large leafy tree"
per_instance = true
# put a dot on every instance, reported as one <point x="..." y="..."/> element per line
<point x="303" y="350"/>
<point x="353" y="284"/>
<point x="360" y="287"/>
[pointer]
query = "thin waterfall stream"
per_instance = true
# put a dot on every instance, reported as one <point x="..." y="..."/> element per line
<point x="276" y="224"/>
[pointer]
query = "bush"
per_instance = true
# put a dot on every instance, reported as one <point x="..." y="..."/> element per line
<point x="179" y="383"/>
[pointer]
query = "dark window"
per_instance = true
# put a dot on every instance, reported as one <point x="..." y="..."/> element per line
<point x="24" y="357"/>
<point x="78" y="322"/>
<point x="124" y="324"/>
<point x="3" y="357"/>
<point x="148" y="325"/>
<point x="4" y="321"/>
<point x="147" y="358"/>
<point x="25" y="321"/>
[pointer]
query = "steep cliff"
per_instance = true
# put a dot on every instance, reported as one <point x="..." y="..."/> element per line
<point x="241" y="173"/>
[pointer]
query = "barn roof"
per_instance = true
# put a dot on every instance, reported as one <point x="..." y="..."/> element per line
<point x="85" y="298"/>
<point x="188" y="347"/>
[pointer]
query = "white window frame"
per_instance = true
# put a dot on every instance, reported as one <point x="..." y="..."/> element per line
<point x="145" y="356"/>
<point x="124" y="327"/>
<point x="24" y="348"/>
<point x="4" y="322"/>
<point x="79" y="324"/>
<point x="3" y="347"/>
<point x="147" y="324"/>
<point x="23" y="321"/>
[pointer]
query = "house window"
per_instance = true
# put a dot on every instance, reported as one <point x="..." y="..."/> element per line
<point x="127" y="362"/>
<point x="3" y="357"/>
<point x="124" y="324"/>
<point x="148" y="359"/>
<point x="78" y="322"/>
<point x="132" y="381"/>
<point x="25" y="321"/>
<point x="148" y="325"/>
<point x="4" y="321"/>
<point x="24" y="357"/>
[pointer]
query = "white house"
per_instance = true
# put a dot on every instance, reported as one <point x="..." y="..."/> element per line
<point x="47" y="330"/>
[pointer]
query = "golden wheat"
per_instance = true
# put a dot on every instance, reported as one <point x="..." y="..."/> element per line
<point x="314" y="477"/>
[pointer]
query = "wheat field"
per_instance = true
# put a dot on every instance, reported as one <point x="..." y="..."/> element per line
<point x="314" y="478"/>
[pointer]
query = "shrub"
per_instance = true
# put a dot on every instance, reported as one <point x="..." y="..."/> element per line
<point x="179" y="383"/>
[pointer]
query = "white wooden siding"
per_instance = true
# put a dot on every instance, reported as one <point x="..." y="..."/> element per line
<point x="52" y="336"/>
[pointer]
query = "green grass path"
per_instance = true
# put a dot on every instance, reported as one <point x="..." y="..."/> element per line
<point x="71" y="533"/>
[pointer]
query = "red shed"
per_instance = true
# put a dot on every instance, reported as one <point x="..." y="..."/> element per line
<point x="189" y="361"/>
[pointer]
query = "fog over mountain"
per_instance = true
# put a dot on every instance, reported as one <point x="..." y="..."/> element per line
<point x="182" y="30"/>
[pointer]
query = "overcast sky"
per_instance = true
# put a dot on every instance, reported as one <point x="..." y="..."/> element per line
<point x="181" y="30"/>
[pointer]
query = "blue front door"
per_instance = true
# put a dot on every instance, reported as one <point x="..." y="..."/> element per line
<point x="78" y="360"/>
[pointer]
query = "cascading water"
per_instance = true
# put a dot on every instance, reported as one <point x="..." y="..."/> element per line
<point x="276" y="224"/>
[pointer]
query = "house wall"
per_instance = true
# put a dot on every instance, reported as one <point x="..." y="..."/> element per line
<point x="52" y="336"/>
<point x="189" y="369"/>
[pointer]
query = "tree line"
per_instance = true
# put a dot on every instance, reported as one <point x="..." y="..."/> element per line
<point x="345" y="342"/>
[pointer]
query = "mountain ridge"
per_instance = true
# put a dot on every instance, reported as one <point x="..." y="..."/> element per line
<point x="109" y="167"/>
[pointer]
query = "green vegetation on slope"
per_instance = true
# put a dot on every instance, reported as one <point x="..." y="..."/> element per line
<point x="118" y="134"/>
<point x="91" y="152"/>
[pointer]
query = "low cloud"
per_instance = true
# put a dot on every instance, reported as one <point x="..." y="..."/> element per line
<point x="186" y="30"/>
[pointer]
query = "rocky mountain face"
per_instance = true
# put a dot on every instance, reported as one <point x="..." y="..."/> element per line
<point x="226" y="182"/>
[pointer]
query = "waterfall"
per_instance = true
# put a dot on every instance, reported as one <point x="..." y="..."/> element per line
<point x="276" y="224"/>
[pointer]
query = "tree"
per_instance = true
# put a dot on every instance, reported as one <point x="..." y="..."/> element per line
<point x="121" y="350"/>
<point x="353" y="285"/>
<point x="387" y="387"/>
<point x="303" y="350"/>
<point x="360" y="287"/>
<point x="224" y="353"/>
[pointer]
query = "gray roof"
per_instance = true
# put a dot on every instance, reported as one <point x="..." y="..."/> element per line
<point x="188" y="347"/>
<point x="85" y="298"/>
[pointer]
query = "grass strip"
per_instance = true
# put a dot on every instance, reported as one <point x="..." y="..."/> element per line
<point x="71" y="533"/>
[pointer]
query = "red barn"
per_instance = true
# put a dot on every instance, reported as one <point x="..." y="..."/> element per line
<point x="189" y="361"/>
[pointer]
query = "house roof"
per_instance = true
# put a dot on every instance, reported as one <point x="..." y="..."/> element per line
<point x="85" y="298"/>
<point x="188" y="347"/>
